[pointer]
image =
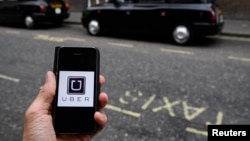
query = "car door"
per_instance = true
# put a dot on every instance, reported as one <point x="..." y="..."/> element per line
<point x="115" y="15"/>
<point x="149" y="15"/>
<point x="1" y="9"/>
<point x="11" y="10"/>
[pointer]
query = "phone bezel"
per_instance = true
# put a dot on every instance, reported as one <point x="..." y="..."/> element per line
<point x="85" y="115"/>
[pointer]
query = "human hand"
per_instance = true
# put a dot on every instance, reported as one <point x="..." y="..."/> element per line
<point x="38" y="125"/>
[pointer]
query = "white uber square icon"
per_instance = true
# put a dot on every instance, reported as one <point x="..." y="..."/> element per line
<point x="76" y="89"/>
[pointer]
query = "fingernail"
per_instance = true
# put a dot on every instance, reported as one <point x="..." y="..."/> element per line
<point x="47" y="76"/>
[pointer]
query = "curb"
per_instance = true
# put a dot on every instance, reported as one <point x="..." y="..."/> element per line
<point x="235" y="35"/>
<point x="71" y="22"/>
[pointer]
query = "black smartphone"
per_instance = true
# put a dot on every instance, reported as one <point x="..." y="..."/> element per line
<point x="77" y="90"/>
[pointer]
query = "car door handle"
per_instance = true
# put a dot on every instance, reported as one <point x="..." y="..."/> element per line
<point x="128" y="12"/>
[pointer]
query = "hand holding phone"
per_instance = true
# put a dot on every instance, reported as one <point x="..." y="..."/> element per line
<point x="37" y="121"/>
<point x="77" y="90"/>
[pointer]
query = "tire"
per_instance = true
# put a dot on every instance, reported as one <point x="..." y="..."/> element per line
<point x="182" y="34"/>
<point x="29" y="22"/>
<point x="94" y="27"/>
<point x="58" y="22"/>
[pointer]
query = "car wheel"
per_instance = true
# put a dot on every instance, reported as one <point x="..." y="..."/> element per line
<point x="58" y="22"/>
<point x="182" y="34"/>
<point x="94" y="27"/>
<point x="29" y="22"/>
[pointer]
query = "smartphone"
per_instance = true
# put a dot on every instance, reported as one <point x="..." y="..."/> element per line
<point x="77" y="90"/>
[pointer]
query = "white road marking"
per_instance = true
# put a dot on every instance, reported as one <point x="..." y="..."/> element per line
<point x="5" y="77"/>
<point x="121" y="45"/>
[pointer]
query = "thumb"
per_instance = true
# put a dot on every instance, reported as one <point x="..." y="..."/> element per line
<point x="46" y="95"/>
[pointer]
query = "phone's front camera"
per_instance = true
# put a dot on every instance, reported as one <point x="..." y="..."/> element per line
<point x="77" y="52"/>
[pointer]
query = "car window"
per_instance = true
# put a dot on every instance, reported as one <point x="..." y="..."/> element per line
<point x="11" y="0"/>
<point x="149" y="1"/>
<point x="29" y="0"/>
<point x="121" y="1"/>
<point x="185" y="1"/>
<point x="191" y="1"/>
<point x="162" y="1"/>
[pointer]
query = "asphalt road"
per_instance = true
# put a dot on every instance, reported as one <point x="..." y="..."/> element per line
<point x="158" y="91"/>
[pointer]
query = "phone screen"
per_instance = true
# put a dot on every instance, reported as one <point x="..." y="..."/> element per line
<point x="75" y="103"/>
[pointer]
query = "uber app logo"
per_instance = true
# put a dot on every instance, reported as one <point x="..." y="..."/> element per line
<point x="76" y="85"/>
<point x="76" y="89"/>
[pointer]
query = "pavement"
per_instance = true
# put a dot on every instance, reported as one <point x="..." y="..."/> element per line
<point x="231" y="27"/>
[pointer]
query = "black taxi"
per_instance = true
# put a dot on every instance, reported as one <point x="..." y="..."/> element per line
<point x="32" y="12"/>
<point x="181" y="20"/>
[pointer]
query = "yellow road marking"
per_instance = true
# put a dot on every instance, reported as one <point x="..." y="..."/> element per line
<point x="151" y="99"/>
<point x="168" y="105"/>
<point x="191" y="112"/>
<point x="244" y="39"/>
<point x="127" y="112"/>
<point x="239" y="58"/>
<point x="196" y="131"/>
<point x="57" y="39"/>
<point x="74" y="39"/>
<point x="219" y="119"/>
<point x="177" y="51"/>
<point x="5" y="77"/>
<point x="46" y="37"/>
<point x="121" y="45"/>
<point x="12" y="32"/>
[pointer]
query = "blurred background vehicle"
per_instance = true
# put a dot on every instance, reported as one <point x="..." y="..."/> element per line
<point x="33" y="12"/>
<point x="181" y="20"/>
